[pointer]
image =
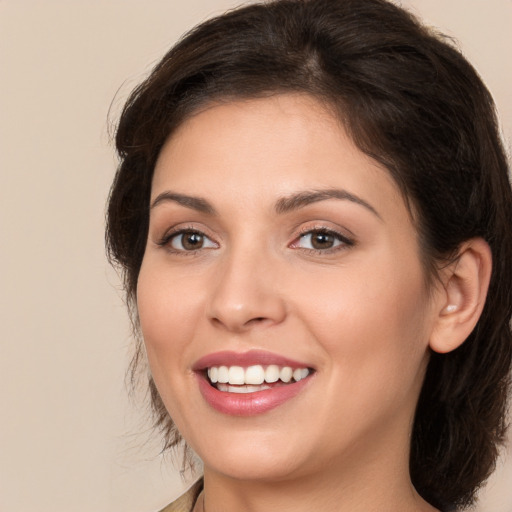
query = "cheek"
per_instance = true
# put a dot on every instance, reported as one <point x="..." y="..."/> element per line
<point x="166" y="313"/>
<point x="375" y="353"/>
<point x="371" y="322"/>
<point x="167" y="308"/>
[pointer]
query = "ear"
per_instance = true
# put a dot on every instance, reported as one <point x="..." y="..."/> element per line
<point x="461" y="299"/>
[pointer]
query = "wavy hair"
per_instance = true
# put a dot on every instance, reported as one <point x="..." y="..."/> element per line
<point x="411" y="101"/>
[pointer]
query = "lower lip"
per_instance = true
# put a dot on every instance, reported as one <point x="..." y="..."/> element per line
<point x="249" y="404"/>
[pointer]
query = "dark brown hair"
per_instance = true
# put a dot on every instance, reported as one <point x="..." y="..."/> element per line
<point x="411" y="101"/>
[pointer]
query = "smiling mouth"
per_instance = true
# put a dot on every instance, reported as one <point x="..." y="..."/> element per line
<point x="237" y="379"/>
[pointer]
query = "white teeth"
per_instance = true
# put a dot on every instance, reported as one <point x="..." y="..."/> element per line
<point x="285" y="374"/>
<point x="236" y="375"/>
<point x="241" y="389"/>
<point x="272" y="373"/>
<point x="300" y="373"/>
<point x="253" y="377"/>
<point x="213" y="374"/>
<point x="223" y="374"/>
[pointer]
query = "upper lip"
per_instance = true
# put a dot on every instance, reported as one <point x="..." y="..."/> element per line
<point x="245" y="359"/>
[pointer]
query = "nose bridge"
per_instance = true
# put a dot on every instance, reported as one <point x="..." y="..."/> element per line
<point x="245" y="292"/>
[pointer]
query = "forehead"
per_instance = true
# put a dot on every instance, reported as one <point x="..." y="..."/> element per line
<point x="267" y="147"/>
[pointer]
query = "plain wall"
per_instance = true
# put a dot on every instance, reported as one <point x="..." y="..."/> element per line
<point x="69" y="438"/>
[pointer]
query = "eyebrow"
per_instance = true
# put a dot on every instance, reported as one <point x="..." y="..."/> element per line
<point x="302" y="199"/>
<point x="194" y="203"/>
<point x="282" y="206"/>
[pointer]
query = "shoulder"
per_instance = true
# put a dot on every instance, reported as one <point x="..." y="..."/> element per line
<point x="186" y="502"/>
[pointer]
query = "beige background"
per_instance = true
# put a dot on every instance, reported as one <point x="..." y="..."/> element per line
<point x="69" y="439"/>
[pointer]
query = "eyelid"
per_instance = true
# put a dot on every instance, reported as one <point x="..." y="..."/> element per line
<point x="207" y="242"/>
<point x="165" y="241"/>
<point x="346" y="241"/>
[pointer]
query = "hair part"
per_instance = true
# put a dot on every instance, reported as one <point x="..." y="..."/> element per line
<point x="409" y="100"/>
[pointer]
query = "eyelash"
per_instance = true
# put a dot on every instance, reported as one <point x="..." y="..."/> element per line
<point x="166" y="241"/>
<point x="344" y="241"/>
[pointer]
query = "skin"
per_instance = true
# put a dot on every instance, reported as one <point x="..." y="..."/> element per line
<point x="359" y="313"/>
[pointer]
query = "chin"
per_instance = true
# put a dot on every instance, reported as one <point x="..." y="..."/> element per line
<point x="251" y="456"/>
<point x="254" y="468"/>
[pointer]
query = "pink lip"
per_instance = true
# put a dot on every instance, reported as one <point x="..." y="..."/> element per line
<point x="245" y="359"/>
<point x="247" y="404"/>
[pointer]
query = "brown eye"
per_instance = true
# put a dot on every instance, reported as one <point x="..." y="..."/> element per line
<point x="190" y="241"/>
<point x="322" y="240"/>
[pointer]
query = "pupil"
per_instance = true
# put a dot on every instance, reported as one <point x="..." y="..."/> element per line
<point x="192" y="241"/>
<point x="322" y="241"/>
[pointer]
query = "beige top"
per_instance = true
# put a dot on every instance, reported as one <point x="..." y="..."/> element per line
<point x="186" y="502"/>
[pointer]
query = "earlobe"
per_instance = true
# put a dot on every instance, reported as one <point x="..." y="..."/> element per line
<point x="462" y="297"/>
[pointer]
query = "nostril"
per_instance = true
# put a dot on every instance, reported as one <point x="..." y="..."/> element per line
<point x="256" y="320"/>
<point x="234" y="324"/>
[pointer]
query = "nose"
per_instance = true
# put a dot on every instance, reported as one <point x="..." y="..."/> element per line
<point x="246" y="293"/>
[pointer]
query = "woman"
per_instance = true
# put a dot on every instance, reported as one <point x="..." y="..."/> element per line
<point x="313" y="217"/>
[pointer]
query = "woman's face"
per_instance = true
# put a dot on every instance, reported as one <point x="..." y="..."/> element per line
<point x="278" y="250"/>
